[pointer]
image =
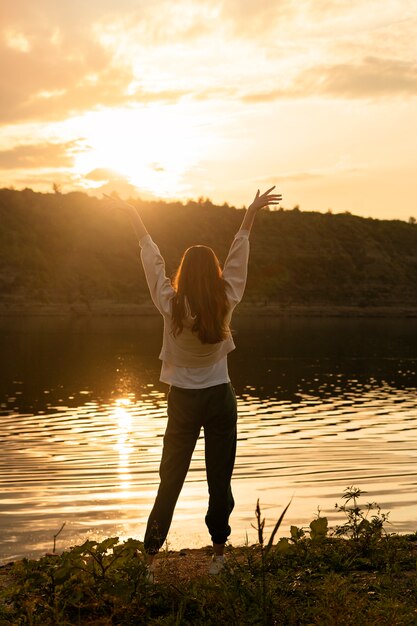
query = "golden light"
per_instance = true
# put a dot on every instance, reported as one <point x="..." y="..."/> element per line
<point x="124" y="422"/>
<point x="124" y="419"/>
<point x="152" y="147"/>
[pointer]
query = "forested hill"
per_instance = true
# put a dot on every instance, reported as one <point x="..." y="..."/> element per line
<point x="71" y="248"/>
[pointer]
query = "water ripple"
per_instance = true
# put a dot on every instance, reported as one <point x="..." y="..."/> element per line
<point x="81" y="442"/>
<point x="100" y="460"/>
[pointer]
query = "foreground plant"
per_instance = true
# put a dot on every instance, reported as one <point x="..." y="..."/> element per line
<point x="357" y="525"/>
<point x="95" y="577"/>
<point x="311" y="577"/>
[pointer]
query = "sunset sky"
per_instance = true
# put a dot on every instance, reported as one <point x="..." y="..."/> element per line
<point x="214" y="98"/>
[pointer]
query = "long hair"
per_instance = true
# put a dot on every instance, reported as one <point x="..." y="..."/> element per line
<point x="199" y="284"/>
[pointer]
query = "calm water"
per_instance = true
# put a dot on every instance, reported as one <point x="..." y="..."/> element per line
<point x="323" y="404"/>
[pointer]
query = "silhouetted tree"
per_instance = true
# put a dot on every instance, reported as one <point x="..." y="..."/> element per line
<point x="71" y="248"/>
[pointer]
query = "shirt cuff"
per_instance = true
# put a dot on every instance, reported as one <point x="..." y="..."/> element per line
<point x="242" y="233"/>
<point x="145" y="239"/>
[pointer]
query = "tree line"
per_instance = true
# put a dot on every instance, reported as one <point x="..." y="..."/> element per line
<point x="69" y="248"/>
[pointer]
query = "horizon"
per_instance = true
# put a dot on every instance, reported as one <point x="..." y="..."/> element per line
<point x="202" y="200"/>
<point x="209" y="99"/>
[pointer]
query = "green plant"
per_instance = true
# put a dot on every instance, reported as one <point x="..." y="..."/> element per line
<point x="310" y="578"/>
<point x="357" y="525"/>
<point x="93" y="577"/>
<point x="317" y="531"/>
<point x="265" y="550"/>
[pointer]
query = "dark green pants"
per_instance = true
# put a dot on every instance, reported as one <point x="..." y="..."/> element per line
<point x="214" y="409"/>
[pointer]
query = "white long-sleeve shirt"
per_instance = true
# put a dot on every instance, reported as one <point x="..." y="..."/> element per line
<point x="186" y="361"/>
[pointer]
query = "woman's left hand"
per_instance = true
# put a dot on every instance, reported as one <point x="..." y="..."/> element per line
<point x="266" y="199"/>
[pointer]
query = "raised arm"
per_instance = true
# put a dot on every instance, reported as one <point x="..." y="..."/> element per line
<point x="159" y="284"/>
<point x="260" y="201"/>
<point x="236" y="265"/>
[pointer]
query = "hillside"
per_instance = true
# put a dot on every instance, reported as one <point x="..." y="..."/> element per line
<point x="71" y="249"/>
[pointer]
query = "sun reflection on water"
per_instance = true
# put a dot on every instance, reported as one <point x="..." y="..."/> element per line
<point x="123" y="418"/>
<point x="95" y="466"/>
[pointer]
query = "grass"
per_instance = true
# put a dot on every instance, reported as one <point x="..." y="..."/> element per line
<point x="355" y="574"/>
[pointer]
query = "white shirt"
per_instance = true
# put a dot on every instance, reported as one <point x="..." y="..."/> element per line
<point x="209" y="363"/>
<point x="195" y="377"/>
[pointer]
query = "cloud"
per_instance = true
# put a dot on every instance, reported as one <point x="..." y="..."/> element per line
<point x="339" y="169"/>
<point x="298" y="177"/>
<point x="39" y="155"/>
<point x="257" y="19"/>
<point x="165" y="23"/>
<point x="60" y="59"/>
<point x="51" y="83"/>
<point x="64" y="61"/>
<point x="122" y="187"/>
<point x="257" y="97"/>
<point x="53" y="90"/>
<point x="105" y="180"/>
<point x="372" y="78"/>
<point x="56" y="61"/>
<point x="101" y="174"/>
<point x="157" y="167"/>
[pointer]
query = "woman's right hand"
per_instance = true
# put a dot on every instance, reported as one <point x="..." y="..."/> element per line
<point x="266" y="199"/>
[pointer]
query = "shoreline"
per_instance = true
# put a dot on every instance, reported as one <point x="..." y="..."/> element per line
<point x="304" y="581"/>
<point x="186" y="564"/>
<point x="244" y="310"/>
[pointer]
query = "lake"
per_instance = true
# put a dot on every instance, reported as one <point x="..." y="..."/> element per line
<point x="323" y="404"/>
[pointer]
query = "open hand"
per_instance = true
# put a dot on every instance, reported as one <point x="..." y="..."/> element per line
<point x="266" y="199"/>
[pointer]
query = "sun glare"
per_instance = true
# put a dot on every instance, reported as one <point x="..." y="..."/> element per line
<point x="123" y="446"/>
<point x="151" y="147"/>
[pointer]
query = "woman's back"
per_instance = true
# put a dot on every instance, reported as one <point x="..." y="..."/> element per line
<point x="182" y="346"/>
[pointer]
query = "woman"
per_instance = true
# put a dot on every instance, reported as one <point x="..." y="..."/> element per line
<point x="197" y="308"/>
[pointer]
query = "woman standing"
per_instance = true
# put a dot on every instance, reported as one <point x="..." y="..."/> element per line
<point x="197" y="308"/>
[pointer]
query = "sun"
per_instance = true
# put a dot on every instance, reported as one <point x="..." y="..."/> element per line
<point x="152" y="147"/>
